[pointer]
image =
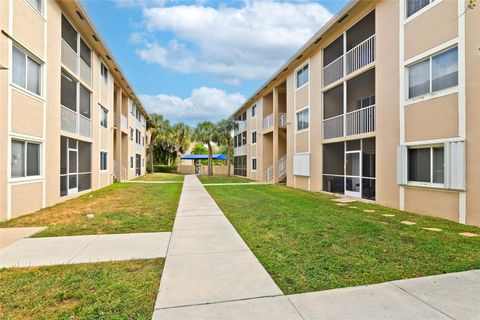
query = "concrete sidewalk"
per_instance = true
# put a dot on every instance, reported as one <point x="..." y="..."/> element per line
<point x="207" y="261"/>
<point x="83" y="249"/>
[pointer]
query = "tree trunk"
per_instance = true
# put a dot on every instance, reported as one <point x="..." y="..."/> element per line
<point x="228" y="160"/>
<point x="151" y="159"/>
<point x="210" y="171"/>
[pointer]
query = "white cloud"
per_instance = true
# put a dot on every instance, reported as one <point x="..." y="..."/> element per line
<point x="203" y="104"/>
<point x="233" y="43"/>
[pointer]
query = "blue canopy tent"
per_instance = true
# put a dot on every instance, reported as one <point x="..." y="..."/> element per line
<point x="203" y="157"/>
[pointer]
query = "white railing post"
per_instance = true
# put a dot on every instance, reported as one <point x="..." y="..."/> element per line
<point x="361" y="121"/>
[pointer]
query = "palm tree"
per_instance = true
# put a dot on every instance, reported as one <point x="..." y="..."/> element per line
<point x="182" y="135"/>
<point x="154" y="125"/>
<point x="225" y="137"/>
<point x="206" y="132"/>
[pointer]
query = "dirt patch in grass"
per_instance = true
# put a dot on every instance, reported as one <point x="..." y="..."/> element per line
<point x="111" y="290"/>
<point x="119" y="208"/>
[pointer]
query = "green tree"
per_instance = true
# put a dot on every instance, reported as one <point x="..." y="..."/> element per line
<point x="182" y="137"/>
<point x="206" y="132"/>
<point x="225" y="131"/>
<point x="154" y="124"/>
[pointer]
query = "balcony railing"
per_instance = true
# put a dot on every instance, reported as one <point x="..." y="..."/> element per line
<point x="124" y="122"/>
<point x="75" y="123"/>
<point x="333" y="71"/>
<point x="360" y="121"/>
<point x="72" y="61"/>
<point x="69" y="57"/>
<point x="268" y="122"/>
<point x="240" y="151"/>
<point x="269" y="174"/>
<point x="333" y="127"/>
<point x="355" y="122"/>
<point x="282" y="166"/>
<point x="354" y="59"/>
<point x="241" y="126"/>
<point x="362" y="55"/>
<point x="282" y="120"/>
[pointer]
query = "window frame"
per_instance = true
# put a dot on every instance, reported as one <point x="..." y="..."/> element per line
<point x="407" y="18"/>
<point x="253" y="112"/>
<point x="131" y="162"/>
<point x="103" y="111"/>
<point x="430" y="183"/>
<point x="25" y="176"/>
<point x="254" y="167"/>
<point x="254" y="134"/>
<point x="299" y="70"/>
<point x="38" y="10"/>
<point x="36" y="60"/>
<point x="103" y="77"/>
<point x="297" y="113"/>
<point x="105" y="154"/>
<point x="430" y="93"/>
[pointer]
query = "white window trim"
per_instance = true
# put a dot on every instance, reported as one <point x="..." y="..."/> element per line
<point x="429" y="6"/>
<point x="38" y="177"/>
<point x="39" y="13"/>
<point x="31" y="55"/>
<point x="106" y="152"/>
<point x="256" y="111"/>
<point x="101" y="110"/>
<point x="434" y="185"/>
<point x="256" y="138"/>
<point x="428" y="55"/>
<point x="295" y="75"/>
<point x="254" y="170"/>
<point x="296" y="120"/>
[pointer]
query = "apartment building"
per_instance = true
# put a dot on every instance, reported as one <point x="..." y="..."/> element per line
<point x="382" y="104"/>
<point x="69" y="120"/>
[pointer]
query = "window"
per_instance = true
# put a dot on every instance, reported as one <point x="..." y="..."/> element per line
<point x="69" y="90"/>
<point x="254" y="111"/>
<point x="137" y="136"/>
<point x="103" y="161"/>
<point x="25" y="159"/>
<point x="131" y="134"/>
<point x="104" y="73"/>
<point x="69" y="34"/>
<point x="103" y="117"/>
<point x="254" y="137"/>
<point x="26" y="72"/>
<point x="143" y="141"/>
<point x="85" y="53"/>
<point x="302" y="76"/>
<point x="131" y="162"/>
<point x="435" y="73"/>
<point x="37" y="4"/>
<point x="244" y="138"/>
<point x="254" y="164"/>
<point x="415" y="5"/>
<point x="143" y="162"/>
<point x="426" y="164"/>
<point x="302" y="120"/>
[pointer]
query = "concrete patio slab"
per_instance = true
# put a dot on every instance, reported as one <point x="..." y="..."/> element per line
<point x="206" y="241"/>
<point x="124" y="247"/>
<point x="11" y="235"/>
<point x="382" y="301"/>
<point x="262" y="308"/>
<point x="201" y="222"/>
<point x="79" y="249"/>
<point x="455" y="294"/>
<point x="208" y="278"/>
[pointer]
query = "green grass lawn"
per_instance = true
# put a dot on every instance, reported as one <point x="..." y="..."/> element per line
<point x="118" y="208"/>
<point x="308" y="243"/>
<point x="222" y="179"/>
<point x="110" y="290"/>
<point x="161" y="177"/>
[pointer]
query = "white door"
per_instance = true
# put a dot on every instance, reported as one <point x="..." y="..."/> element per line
<point x="353" y="168"/>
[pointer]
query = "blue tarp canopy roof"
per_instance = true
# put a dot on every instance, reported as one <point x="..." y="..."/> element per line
<point x="203" y="157"/>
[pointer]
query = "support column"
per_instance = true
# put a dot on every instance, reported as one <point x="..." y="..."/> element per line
<point x="276" y="116"/>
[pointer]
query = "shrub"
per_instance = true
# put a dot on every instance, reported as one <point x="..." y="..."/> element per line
<point x="163" y="168"/>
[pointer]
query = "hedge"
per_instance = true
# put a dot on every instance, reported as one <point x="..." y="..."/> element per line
<point x="163" y="168"/>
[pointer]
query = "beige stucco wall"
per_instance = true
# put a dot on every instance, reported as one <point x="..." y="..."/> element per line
<point x="26" y="198"/>
<point x="431" y="28"/>
<point x="472" y="18"/>
<point x="301" y="143"/>
<point x="301" y="97"/>
<point x="441" y="203"/>
<point x="432" y="119"/>
<point x="28" y="113"/>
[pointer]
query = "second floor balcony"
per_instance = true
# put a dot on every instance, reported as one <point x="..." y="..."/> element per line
<point x="75" y="123"/>
<point x="352" y="123"/>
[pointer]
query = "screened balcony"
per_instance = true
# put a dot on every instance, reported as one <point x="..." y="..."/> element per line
<point x="353" y="50"/>
<point x="354" y="116"/>
<point x="75" y="102"/>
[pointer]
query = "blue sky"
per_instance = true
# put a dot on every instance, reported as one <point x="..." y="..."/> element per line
<point x="199" y="60"/>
